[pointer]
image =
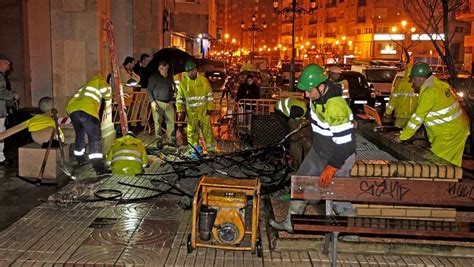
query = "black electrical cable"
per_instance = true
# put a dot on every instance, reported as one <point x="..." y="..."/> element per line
<point x="101" y="192"/>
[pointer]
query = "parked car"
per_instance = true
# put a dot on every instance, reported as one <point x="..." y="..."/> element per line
<point x="380" y="79"/>
<point x="360" y="93"/>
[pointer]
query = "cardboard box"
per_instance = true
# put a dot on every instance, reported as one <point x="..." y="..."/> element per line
<point x="30" y="159"/>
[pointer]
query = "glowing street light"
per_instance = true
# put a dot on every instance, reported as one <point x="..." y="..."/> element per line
<point x="293" y="9"/>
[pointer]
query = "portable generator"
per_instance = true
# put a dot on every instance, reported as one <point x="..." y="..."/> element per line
<point x="222" y="217"/>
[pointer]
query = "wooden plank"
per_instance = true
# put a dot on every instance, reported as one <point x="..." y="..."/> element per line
<point x="370" y="226"/>
<point x="386" y="191"/>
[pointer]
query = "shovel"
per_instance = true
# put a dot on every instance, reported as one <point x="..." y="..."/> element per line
<point x="62" y="164"/>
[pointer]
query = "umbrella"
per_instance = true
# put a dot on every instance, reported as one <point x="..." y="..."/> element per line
<point x="176" y="59"/>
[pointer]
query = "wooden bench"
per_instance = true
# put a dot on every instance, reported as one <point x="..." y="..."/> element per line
<point x="382" y="191"/>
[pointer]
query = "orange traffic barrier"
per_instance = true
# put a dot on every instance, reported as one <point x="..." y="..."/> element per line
<point x="137" y="107"/>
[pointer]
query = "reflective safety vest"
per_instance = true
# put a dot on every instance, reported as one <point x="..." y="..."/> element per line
<point x="446" y="124"/>
<point x="127" y="156"/>
<point x="40" y="122"/>
<point x="89" y="96"/>
<point x="333" y="131"/>
<point x="403" y="100"/>
<point x="285" y="104"/>
<point x="194" y="96"/>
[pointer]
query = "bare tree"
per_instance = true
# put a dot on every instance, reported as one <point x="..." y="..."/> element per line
<point x="407" y="43"/>
<point x="433" y="17"/>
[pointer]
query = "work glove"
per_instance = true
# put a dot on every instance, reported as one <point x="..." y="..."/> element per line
<point x="153" y="105"/>
<point x="326" y="176"/>
<point x="180" y="116"/>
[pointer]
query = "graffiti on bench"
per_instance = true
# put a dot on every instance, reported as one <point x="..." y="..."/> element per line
<point x="461" y="191"/>
<point x="385" y="191"/>
<point x="390" y="188"/>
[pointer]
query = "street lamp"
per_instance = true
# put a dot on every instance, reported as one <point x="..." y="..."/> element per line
<point x="404" y="44"/>
<point x="253" y="28"/>
<point x="293" y="9"/>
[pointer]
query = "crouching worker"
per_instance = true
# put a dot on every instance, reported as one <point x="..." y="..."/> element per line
<point x="333" y="150"/>
<point x="291" y="107"/>
<point x="127" y="155"/>
<point x="41" y="126"/>
<point x="83" y="109"/>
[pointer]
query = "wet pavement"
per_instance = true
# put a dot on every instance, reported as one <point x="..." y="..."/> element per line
<point x="137" y="226"/>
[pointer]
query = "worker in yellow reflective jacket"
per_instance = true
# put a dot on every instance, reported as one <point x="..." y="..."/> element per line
<point x="292" y="107"/>
<point x="403" y="100"/>
<point x="441" y="114"/>
<point x="195" y="98"/>
<point x="127" y="155"/>
<point x="83" y="109"/>
<point x="333" y="150"/>
<point x="40" y="126"/>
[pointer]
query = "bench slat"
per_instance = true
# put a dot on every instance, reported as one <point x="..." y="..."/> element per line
<point x="386" y="191"/>
<point x="381" y="226"/>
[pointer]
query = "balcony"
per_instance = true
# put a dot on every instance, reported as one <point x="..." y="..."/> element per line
<point x="332" y="4"/>
<point x="331" y="19"/>
<point x="313" y="21"/>
<point x="286" y="33"/>
<point x="312" y="35"/>
<point x="330" y="34"/>
<point x="361" y="19"/>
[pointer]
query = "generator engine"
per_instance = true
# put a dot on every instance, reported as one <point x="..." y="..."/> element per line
<point x="229" y="224"/>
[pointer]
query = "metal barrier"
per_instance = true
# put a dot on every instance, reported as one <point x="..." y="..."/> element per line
<point x="248" y="107"/>
<point x="138" y="109"/>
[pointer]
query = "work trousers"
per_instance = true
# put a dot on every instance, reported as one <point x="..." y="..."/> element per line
<point x="199" y="120"/>
<point x="313" y="165"/>
<point x="164" y="110"/>
<point x="86" y="124"/>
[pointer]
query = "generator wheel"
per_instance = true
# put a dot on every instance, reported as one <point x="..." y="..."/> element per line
<point x="189" y="244"/>
<point x="258" y="247"/>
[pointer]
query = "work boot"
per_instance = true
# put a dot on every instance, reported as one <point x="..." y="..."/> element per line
<point x="81" y="160"/>
<point x="100" y="168"/>
<point x="296" y="207"/>
<point x="348" y="213"/>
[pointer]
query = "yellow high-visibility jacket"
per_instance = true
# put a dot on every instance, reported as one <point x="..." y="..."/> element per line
<point x="89" y="96"/>
<point x="441" y="114"/>
<point x="284" y="105"/>
<point x="403" y="100"/>
<point x="194" y="95"/>
<point x="40" y="122"/>
<point x="127" y="156"/>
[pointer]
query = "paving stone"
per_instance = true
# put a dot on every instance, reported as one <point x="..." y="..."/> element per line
<point x="427" y="261"/>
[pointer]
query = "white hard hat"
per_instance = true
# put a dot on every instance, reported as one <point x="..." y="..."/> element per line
<point x="335" y="69"/>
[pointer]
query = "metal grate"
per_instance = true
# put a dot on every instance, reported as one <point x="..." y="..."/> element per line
<point x="267" y="130"/>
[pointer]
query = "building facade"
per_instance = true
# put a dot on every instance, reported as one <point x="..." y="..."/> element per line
<point x="57" y="45"/>
<point x="344" y="30"/>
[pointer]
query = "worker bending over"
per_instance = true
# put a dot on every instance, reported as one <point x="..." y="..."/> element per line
<point x="127" y="155"/>
<point x="441" y="114"/>
<point x="83" y="109"/>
